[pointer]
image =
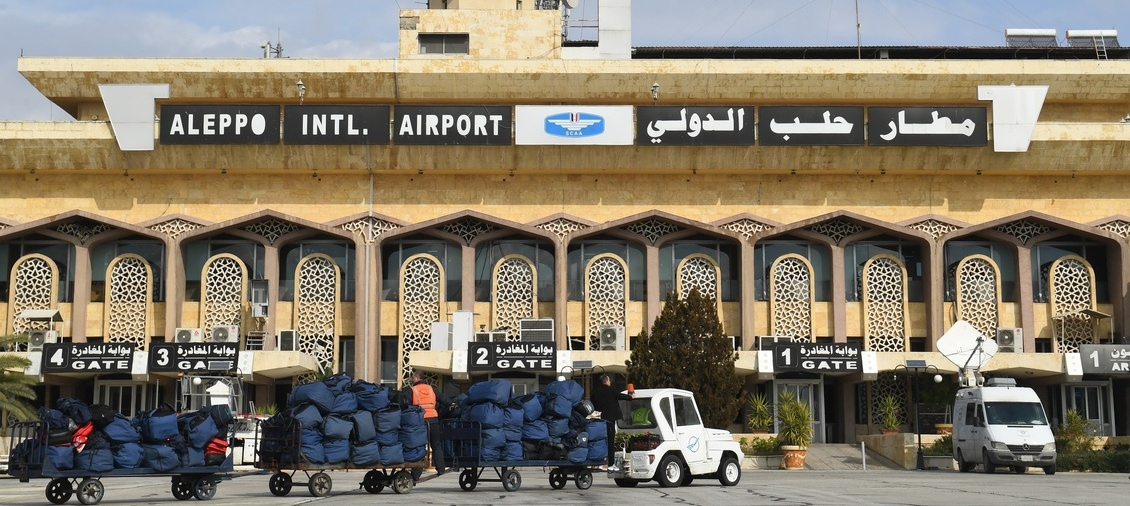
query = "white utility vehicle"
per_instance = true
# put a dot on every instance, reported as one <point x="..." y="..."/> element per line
<point x="669" y="444"/>
<point x="1001" y="425"/>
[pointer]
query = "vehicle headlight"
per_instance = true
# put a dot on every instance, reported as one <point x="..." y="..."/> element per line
<point x="1050" y="447"/>
<point x="997" y="445"/>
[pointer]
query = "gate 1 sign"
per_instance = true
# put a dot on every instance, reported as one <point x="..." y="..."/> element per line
<point x="87" y="357"/>
<point x="189" y="357"/>
<point x="1107" y="359"/>
<point x="526" y="357"/>
<point x="812" y="357"/>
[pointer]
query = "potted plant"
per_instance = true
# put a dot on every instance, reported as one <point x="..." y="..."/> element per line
<point x="794" y="431"/>
<point x="889" y="410"/>
<point x="760" y="413"/>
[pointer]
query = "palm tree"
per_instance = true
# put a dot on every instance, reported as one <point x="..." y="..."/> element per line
<point x="15" y="387"/>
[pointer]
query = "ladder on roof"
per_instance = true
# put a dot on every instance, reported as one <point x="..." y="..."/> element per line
<point x="1100" y="47"/>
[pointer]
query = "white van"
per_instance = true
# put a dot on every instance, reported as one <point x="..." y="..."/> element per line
<point x="1001" y="424"/>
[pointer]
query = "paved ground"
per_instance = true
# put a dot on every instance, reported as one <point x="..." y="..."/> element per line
<point x="844" y="457"/>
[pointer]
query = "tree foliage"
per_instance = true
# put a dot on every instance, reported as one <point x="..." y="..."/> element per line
<point x="15" y="387"/>
<point x="686" y="349"/>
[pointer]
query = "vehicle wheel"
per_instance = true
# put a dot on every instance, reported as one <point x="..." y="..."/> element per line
<point x="1049" y="469"/>
<point x="511" y="480"/>
<point x="626" y="482"/>
<point x="374" y="481"/>
<point x="962" y="465"/>
<point x="583" y="479"/>
<point x="280" y="484"/>
<point x="320" y="484"/>
<point x="402" y="482"/>
<point x="670" y="472"/>
<point x="468" y="480"/>
<point x="730" y="472"/>
<point x="204" y="488"/>
<point x="59" y="491"/>
<point x="687" y="479"/>
<point x="557" y="479"/>
<point x="990" y="468"/>
<point x="1019" y="469"/>
<point x="90" y="491"/>
<point x="182" y="488"/>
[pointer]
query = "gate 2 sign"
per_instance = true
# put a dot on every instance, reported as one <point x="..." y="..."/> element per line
<point x="527" y="357"/>
<point x="812" y="357"/>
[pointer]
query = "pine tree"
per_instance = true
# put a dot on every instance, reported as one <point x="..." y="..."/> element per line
<point x="686" y="349"/>
<point x="15" y="387"/>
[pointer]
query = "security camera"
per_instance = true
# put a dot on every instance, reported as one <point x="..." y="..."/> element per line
<point x="264" y="44"/>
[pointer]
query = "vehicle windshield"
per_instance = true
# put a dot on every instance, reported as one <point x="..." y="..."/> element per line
<point x="1015" y="413"/>
<point x="638" y="415"/>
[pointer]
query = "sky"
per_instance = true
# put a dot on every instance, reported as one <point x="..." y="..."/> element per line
<point x="368" y="28"/>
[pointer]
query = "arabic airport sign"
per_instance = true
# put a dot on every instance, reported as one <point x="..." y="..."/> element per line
<point x="694" y="126"/>
<point x="219" y="124"/>
<point x="593" y="125"/>
<point x="814" y="357"/>
<point x="190" y="357"/>
<point x="810" y="126"/>
<point x="526" y="357"/>
<point x="335" y="124"/>
<point x="1107" y="359"/>
<point x="87" y="357"/>
<point x="927" y="126"/>
<point x="476" y="125"/>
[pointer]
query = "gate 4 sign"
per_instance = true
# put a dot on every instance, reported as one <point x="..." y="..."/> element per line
<point x="87" y="357"/>
<point x="186" y="357"/>
<point x="812" y="357"/>
<point x="530" y="357"/>
<point x="1112" y="359"/>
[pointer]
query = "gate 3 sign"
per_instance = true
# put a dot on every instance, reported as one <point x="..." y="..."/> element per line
<point x="537" y="357"/>
<point x="87" y="357"/>
<point x="186" y="357"/>
<point x="813" y="357"/>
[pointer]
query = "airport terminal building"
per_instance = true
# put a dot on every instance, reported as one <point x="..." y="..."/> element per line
<point x="501" y="200"/>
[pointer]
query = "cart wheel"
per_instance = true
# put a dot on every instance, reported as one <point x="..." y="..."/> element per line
<point x="204" y="488"/>
<point x="374" y="481"/>
<point x="511" y="480"/>
<point x="59" y="491"/>
<point x="584" y="479"/>
<point x="182" y="488"/>
<point x="468" y="480"/>
<point x="280" y="484"/>
<point x="557" y="479"/>
<point x="626" y="482"/>
<point x="320" y="485"/>
<point x="90" y="491"/>
<point x="402" y="482"/>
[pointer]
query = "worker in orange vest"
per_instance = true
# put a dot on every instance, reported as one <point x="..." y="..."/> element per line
<point x="432" y="401"/>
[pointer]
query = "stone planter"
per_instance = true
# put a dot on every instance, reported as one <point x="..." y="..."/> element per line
<point x="943" y="462"/>
<point x="762" y="462"/>
<point x="793" y="457"/>
<point x="943" y="428"/>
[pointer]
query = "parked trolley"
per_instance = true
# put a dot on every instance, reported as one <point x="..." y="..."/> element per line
<point x="463" y="442"/>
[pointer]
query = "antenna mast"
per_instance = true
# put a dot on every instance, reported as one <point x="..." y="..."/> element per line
<point x="858" y="37"/>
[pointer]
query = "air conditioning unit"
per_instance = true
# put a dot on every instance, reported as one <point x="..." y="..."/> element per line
<point x="1010" y="340"/>
<point x="224" y="334"/>
<point x="288" y="340"/>
<point x="490" y="337"/>
<point x="612" y="337"/>
<point x="258" y="310"/>
<point x="37" y="338"/>
<point x="188" y="335"/>
<point x="535" y="330"/>
<point x="765" y="343"/>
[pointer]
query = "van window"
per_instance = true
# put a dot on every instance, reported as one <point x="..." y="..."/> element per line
<point x="970" y="415"/>
<point x="1015" y="413"/>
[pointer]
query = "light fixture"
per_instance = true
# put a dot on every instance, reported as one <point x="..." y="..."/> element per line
<point x="301" y="91"/>
<point x="655" y="91"/>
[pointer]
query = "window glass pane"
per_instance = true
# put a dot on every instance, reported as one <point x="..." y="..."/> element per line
<point x="457" y="43"/>
<point x="431" y="43"/>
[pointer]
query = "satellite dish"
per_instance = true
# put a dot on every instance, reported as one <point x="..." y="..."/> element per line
<point x="569" y="4"/>
<point x="966" y="347"/>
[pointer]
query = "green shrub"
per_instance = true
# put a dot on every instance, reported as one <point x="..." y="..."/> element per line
<point x="759" y="446"/>
<point x="1072" y="436"/>
<point x="1112" y="460"/>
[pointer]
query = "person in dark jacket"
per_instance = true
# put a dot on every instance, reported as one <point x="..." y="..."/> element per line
<point x="607" y="400"/>
<point x="432" y="401"/>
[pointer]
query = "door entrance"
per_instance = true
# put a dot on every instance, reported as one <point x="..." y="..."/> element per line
<point x="810" y="392"/>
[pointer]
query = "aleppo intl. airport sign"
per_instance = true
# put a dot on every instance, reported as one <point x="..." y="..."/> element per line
<point x="452" y="125"/>
<point x="810" y="126"/>
<point x="927" y="126"/>
<point x="336" y="124"/>
<point x="694" y="126"/>
<point x="219" y="124"/>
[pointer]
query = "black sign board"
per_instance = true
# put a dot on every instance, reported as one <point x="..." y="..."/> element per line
<point x="526" y="357"/>
<point x="437" y="125"/>
<point x="1106" y="359"/>
<point x="694" y="126"/>
<point x="193" y="357"/>
<point x="87" y="357"/>
<point x="927" y="126"/>
<point x="219" y="124"/>
<point x="818" y="358"/>
<point x="810" y="126"/>
<point x="335" y="124"/>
